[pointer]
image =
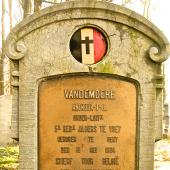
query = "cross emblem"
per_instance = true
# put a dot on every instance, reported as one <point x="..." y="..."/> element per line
<point x="88" y="45"/>
<point x="87" y="42"/>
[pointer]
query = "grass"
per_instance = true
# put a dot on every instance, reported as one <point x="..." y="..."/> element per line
<point x="9" y="158"/>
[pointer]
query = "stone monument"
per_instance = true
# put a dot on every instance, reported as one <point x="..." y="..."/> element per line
<point x="87" y="87"/>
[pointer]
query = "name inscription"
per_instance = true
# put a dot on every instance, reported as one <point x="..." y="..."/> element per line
<point x="88" y="94"/>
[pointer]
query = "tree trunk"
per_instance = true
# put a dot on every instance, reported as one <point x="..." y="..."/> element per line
<point x="27" y="7"/>
<point x="2" y="50"/>
<point x="146" y="9"/>
<point x="10" y="13"/>
<point x="37" y="5"/>
<point x="7" y="82"/>
<point x="124" y="2"/>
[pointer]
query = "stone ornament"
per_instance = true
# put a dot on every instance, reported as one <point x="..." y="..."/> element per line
<point x="15" y="49"/>
<point x="156" y="56"/>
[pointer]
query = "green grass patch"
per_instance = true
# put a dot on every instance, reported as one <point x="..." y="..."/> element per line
<point x="9" y="158"/>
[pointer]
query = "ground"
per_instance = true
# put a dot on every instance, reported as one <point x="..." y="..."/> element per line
<point x="9" y="156"/>
<point x="162" y="155"/>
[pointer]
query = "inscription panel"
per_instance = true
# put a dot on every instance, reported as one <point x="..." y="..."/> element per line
<point x="87" y="123"/>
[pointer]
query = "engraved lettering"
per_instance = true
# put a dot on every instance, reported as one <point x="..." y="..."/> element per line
<point x="68" y="128"/>
<point x="114" y="129"/>
<point x="93" y="149"/>
<point x="102" y="129"/>
<point x="92" y="129"/>
<point x="63" y="161"/>
<point x="110" y="161"/>
<point x="78" y="149"/>
<point x="110" y="150"/>
<point x="88" y="107"/>
<point x="87" y="117"/>
<point x="65" y="150"/>
<point x="112" y="139"/>
<point x="88" y="94"/>
<point x="66" y="139"/>
<point x="90" y="139"/>
<point x="57" y="128"/>
<point x="87" y="161"/>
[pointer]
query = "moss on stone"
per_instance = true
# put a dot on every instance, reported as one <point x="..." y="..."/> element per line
<point x="9" y="158"/>
<point x="105" y="68"/>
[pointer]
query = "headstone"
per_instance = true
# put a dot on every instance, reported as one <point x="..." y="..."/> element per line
<point x="87" y="87"/>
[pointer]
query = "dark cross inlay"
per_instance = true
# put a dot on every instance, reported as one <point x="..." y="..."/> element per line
<point x="87" y="43"/>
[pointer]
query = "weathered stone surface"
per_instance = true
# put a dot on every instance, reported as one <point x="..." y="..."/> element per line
<point x="41" y="45"/>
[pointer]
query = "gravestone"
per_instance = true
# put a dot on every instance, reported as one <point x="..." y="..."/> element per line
<point x="87" y="87"/>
